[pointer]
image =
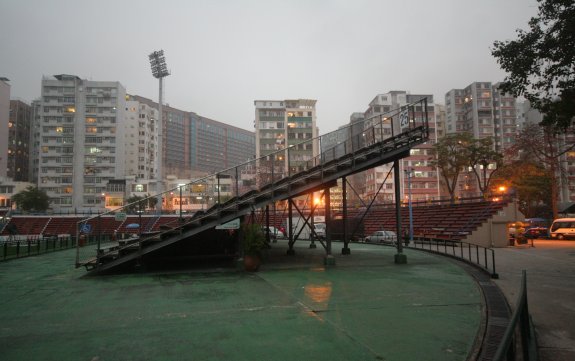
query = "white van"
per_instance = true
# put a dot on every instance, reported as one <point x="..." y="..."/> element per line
<point x="562" y="228"/>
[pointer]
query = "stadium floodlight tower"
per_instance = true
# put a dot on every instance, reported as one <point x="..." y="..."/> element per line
<point x="159" y="71"/>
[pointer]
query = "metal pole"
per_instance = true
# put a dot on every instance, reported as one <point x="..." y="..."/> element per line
<point x="159" y="142"/>
<point x="410" y="208"/>
<point x="180" y="202"/>
<point x="344" y="201"/>
<point x="327" y="220"/>
<point x="288" y="162"/>
<point x="218" y="175"/>
<point x="237" y="184"/>
<point x="399" y="257"/>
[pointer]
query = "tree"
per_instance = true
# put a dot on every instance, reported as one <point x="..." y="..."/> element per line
<point x="543" y="144"/>
<point x="531" y="183"/>
<point x="481" y="156"/>
<point x="139" y="203"/>
<point x="541" y="62"/>
<point x="32" y="199"/>
<point x="452" y="156"/>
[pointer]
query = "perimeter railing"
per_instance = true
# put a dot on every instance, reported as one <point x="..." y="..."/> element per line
<point x="519" y="336"/>
<point x="474" y="254"/>
<point x="33" y="245"/>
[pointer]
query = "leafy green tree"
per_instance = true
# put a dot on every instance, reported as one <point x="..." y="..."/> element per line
<point x="452" y="156"/>
<point x="32" y="199"/>
<point x="541" y="62"/>
<point x="481" y="156"/>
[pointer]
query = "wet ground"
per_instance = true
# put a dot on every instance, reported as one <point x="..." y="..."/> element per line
<point x="550" y="267"/>
<point x="363" y="308"/>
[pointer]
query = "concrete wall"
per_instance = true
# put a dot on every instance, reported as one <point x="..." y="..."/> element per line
<point x="494" y="232"/>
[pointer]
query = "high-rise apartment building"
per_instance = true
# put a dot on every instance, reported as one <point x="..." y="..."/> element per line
<point x="215" y="145"/>
<point x="4" y="116"/>
<point x="193" y="143"/>
<point x="81" y="140"/>
<point x="282" y="123"/>
<point x="140" y="140"/>
<point x="19" y="140"/>
<point x="482" y="110"/>
<point x="175" y="145"/>
<point x="34" y="153"/>
<point x="423" y="177"/>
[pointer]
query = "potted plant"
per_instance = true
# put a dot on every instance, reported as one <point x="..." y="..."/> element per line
<point x="253" y="243"/>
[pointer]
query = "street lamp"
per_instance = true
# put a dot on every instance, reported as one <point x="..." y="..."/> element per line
<point x="159" y="71"/>
<point x="408" y="173"/>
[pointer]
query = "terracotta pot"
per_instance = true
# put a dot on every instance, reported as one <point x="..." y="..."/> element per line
<point x="252" y="262"/>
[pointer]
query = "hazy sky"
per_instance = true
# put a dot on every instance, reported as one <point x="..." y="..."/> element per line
<point x="225" y="54"/>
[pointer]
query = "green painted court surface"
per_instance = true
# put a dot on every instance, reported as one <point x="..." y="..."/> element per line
<point x="364" y="308"/>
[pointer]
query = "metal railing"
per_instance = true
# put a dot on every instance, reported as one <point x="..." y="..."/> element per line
<point x="474" y="254"/>
<point x="286" y="158"/>
<point x="520" y="323"/>
<point x="32" y="245"/>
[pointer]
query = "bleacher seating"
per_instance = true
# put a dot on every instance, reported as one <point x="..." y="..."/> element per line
<point x="62" y="225"/>
<point x="450" y="221"/>
<point x="28" y="224"/>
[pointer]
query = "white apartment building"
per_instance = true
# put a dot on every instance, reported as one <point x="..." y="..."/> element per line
<point x="140" y="140"/>
<point x="282" y="123"/>
<point x="81" y="141"/>
<point x="424" y="181"/>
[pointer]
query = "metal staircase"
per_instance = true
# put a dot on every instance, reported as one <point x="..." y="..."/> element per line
<point x="279" y="176"/>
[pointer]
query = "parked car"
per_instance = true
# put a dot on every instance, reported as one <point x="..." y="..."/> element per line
<point x="381" y="237"/>
<point x="536" y="232"/>
<point x="319" y="229"/>
<point x="274" y="232"/>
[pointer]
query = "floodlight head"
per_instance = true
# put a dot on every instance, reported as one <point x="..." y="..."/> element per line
<point x="158" y="64"/>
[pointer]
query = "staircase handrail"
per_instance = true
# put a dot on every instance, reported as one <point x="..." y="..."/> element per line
<point x="373" y="136"/>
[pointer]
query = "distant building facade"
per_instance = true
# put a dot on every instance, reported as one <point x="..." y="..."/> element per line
<point x="140" y="140"/>
<point x="175" y="145"/>
<point x="416" y="171"/>
<point x="4" y="116"/>
<point x="483" y="111"/>
<point x="19" y="140"/>
<point x="81" y="141"/>
<point x="215" y="146"/>
<point x="193" y="143"/>
<point x="283" y="123"/>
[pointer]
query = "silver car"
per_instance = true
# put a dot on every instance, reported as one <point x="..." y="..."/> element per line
<point x="274" y="232"/>
<point x="381" y="237"/>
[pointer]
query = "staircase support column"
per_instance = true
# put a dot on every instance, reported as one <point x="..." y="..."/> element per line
<point x="345" y="249"/>
<point x="290" y="251"/>
<point x="400" y="257"/>
<point x="329" y="260"/>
